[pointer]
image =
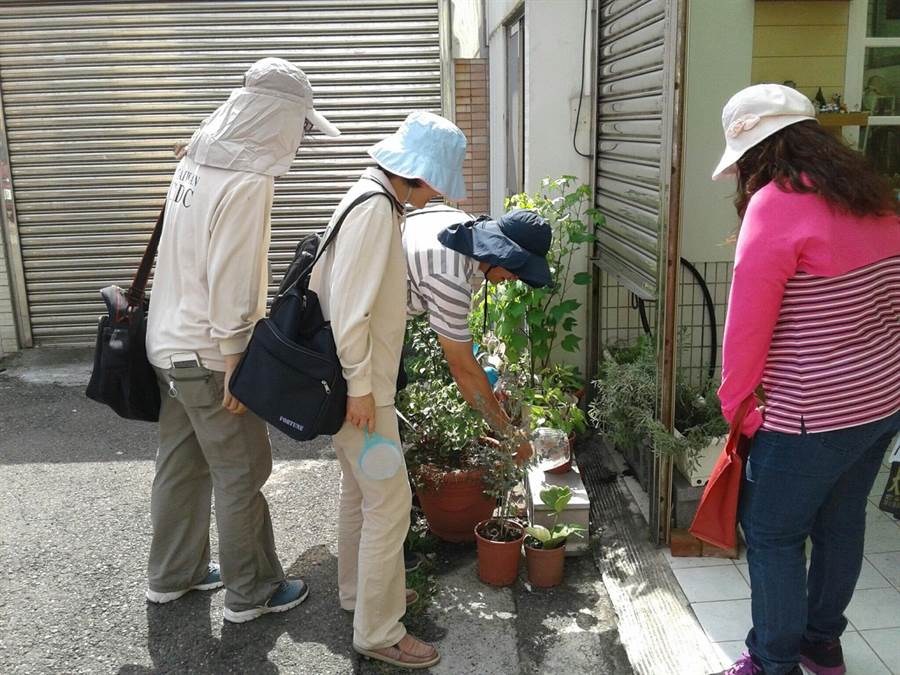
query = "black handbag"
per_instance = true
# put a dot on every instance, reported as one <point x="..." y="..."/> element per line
<point x="122" y="377"/>
<point x="290" y="374"/>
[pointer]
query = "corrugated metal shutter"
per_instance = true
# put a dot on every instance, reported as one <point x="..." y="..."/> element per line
<point x="95" y="95"/>
<point x="633" y="121"/>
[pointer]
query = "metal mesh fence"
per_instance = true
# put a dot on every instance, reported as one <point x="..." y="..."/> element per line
<point x="699" y="334"/>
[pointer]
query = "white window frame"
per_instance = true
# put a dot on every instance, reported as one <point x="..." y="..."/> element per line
<point x="857" y="43"/>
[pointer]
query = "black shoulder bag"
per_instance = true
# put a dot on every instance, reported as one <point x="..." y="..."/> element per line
<point x="122" y="377"/>
<point x="290" y="374"/>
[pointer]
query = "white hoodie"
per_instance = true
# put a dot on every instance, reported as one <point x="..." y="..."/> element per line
<point x="210" y="284"/>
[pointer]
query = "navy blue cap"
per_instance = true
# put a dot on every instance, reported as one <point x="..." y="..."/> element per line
<point x="518" y="241"/>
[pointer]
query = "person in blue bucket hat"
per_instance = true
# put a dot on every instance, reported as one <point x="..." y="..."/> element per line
<point x="361" y="284"/>
<point x="426" y="148"/>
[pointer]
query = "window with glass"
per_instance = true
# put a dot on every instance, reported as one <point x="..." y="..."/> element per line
<point x="515" y="106"/>
<point x="880" y="140"/>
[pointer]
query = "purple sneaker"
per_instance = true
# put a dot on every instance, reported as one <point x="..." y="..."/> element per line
<point x="743" y="666"/>
<point x="823" y="658"/>
<point x="746" y="665"/>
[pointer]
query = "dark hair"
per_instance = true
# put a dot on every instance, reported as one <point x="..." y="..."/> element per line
<point x="806" y="158"/>
<point x="410" y="182"/>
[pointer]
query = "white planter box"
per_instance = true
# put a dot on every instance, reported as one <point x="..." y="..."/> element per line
<point x="577" y="510"/>
<point x="706" y="461"/>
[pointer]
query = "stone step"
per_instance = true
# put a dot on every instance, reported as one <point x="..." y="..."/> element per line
<point x="577" y="511"/>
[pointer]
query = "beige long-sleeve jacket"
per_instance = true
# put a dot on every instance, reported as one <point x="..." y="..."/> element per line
<point x="361" y="284"/>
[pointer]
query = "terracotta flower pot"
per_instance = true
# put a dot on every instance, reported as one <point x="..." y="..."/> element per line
<point x="545" y="566"/>
<point x="498" y="561"/>
<point x="455" y="505"/>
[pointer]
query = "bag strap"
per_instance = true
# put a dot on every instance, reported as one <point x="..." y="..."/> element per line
<point x="135" y="294"/>
<point x="737" y="422"/>
<point x="331" y="235"/>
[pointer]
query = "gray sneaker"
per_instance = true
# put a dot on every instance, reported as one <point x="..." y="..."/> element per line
<point x="212" y="581"/>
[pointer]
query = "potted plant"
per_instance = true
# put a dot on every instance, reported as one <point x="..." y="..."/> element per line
<point x="500" y="538"/>
<point x="626" y="392"/>
<point x="450" y="459"/>
<point x="545" y="549"/>
<point x="554" y="404"/>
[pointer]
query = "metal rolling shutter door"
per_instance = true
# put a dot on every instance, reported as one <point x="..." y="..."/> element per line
<point x="95" y="94"/>
<point x="632" y="148"/>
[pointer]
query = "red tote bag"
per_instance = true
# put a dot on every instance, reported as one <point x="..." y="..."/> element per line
<point x="716" y="519"/>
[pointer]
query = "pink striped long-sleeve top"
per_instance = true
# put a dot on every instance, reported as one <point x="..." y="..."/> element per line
<point x="813" y="315"/>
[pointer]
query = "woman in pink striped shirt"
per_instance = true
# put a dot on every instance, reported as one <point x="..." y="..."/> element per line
<point x="813" y="332"/>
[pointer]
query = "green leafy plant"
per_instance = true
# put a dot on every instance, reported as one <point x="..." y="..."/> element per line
<point x="504" y="479"/>
<point x="556" y="498"/>
<point x="554" y="402"/>
<point x="444" y="433"/>
<point x="626" y="393"/>
<point x="532" y="321"/>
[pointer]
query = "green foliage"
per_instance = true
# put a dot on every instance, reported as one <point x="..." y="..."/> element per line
<point x="554" y="407"/>
<point x="546" y="400"/>
<point x="532" y="321"/>
<point x="626" y="393"/>
<point x="447" y="435"/>
<point x="556" y="498"/>
<point x="423" y="356"/>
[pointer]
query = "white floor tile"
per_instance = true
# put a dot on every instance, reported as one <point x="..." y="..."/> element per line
<point x="886" y="644"/>
<point x="708" y="584"/>
<point x="685" y="563"/>
<point x="882" y="532"/>
<point x="729" y="652"/>
<point x="878" y="488"/>
<point x="724" y="621"/>
<point x="888" y="565"/>
<point x="875" y="608"/>
<point x="860" y="658"/>
<point x="870" y="577"/>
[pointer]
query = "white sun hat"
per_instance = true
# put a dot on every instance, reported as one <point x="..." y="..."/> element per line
<point x="261" y="125"/>
<point x="429" y="147"/>
<point x="755" y="113"/>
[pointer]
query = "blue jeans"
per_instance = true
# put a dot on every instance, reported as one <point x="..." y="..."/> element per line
<point x="799" y="486"/>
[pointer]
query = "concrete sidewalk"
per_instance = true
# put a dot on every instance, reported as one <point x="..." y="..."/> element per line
<point x="74" y="508"/>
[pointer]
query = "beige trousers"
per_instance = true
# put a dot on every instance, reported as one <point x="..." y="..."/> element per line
<point x="372" y="526"/>
<point x="204" y="449"/>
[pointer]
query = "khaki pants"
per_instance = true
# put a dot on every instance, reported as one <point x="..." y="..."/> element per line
<point x="204" y="449"/>
<point x="372" y="526"/>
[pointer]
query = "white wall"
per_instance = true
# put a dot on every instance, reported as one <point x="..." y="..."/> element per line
<point x="714" y="73"/>
<point x="553" y="63"/>
<point x="496" y="11"/>
<point x="467" y="33"/>
<point x="553" y="37"/>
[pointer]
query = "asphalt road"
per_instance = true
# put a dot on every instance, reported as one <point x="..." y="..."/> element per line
<point x="74" y="537"/>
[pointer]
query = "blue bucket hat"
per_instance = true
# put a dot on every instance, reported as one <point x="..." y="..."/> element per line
<point x="429" y="147"/>
<point x="518" y="241"/>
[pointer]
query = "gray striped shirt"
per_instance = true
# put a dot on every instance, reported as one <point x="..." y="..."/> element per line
<point x="439" y="278"/>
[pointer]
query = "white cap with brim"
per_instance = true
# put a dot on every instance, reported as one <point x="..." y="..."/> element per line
<point x="755" y="113"/>
<point x="261" y="125"/>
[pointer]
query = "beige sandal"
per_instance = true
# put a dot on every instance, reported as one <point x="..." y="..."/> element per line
<point x="413" y="655"/>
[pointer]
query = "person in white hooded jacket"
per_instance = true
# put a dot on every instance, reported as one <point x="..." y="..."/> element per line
<point x="209" y="290"/>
